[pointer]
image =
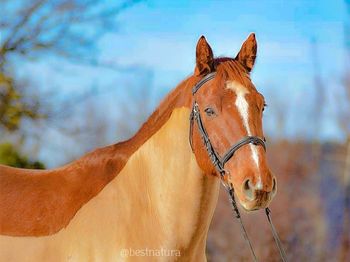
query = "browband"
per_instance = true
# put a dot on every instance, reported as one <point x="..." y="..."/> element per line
<point x="205" y="79"/>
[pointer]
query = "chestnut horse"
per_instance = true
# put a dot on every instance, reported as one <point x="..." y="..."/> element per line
<point x="151" y="192"/>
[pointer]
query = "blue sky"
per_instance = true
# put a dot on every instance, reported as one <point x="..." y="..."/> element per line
<point x="163" y="35"/>
<point x="159" y="38"/>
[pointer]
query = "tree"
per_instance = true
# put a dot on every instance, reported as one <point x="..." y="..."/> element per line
<point x="344" y="123"/>
<point x="10" y="156"/>
<point x="69" y="29"/>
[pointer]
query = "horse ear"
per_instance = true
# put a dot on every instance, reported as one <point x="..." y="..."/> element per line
<point x="247" y="54"/>
<point x="204" y="57"/>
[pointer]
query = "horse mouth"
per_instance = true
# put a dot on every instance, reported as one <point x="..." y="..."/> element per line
<point x="262" y="200"/>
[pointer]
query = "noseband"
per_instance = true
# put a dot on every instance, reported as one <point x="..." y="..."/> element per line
<point x="219" y="164"/>
<point x="218" y="161"/>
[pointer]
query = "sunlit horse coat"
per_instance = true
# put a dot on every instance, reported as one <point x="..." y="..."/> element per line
<point x="150" y="191"/>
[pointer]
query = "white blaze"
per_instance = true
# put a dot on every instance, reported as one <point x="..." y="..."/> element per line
<point x="243" y="108"/>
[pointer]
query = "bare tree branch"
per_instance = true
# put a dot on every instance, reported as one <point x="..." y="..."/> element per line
<point x="69" y="29"/>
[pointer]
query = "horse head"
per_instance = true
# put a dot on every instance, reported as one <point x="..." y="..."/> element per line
<point x="228" y="136"/>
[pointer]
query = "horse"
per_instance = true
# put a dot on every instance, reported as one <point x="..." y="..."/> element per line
<point x="156" y="191"/>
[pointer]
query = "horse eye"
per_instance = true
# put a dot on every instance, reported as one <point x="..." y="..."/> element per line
<point x="209" y="111"/>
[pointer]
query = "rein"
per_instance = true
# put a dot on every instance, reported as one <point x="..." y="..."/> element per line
<point x="220" y="161"/>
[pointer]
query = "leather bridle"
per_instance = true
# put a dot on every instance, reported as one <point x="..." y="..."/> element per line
<point x="220" y="161"/>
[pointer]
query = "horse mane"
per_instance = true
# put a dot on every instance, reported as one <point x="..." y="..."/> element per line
<point x="226" y="67"/>
<point x="230" y="68"/>
<point x="56" y="195"/>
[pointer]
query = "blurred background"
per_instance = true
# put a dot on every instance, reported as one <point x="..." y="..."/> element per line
<point x="76" y="75"/>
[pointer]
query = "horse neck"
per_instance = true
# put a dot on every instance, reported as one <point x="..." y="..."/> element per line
<point x="167" y="186"/>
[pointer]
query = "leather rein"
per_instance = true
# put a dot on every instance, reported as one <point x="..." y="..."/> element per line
<point x="220" y="161"/>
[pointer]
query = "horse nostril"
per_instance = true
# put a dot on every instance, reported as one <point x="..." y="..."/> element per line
<point x="248" y="191"/>
<point x="246" y="184"/>
<point x="274" y="186"/>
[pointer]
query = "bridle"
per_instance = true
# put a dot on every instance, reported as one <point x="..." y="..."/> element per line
<point x="220" y="161"/>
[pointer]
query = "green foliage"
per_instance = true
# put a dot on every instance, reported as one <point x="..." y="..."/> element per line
<point x="11" y="157"/>
<point x="13" y="105"/>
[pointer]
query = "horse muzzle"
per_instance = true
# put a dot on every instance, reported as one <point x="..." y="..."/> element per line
<point x="255" y="197"/>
